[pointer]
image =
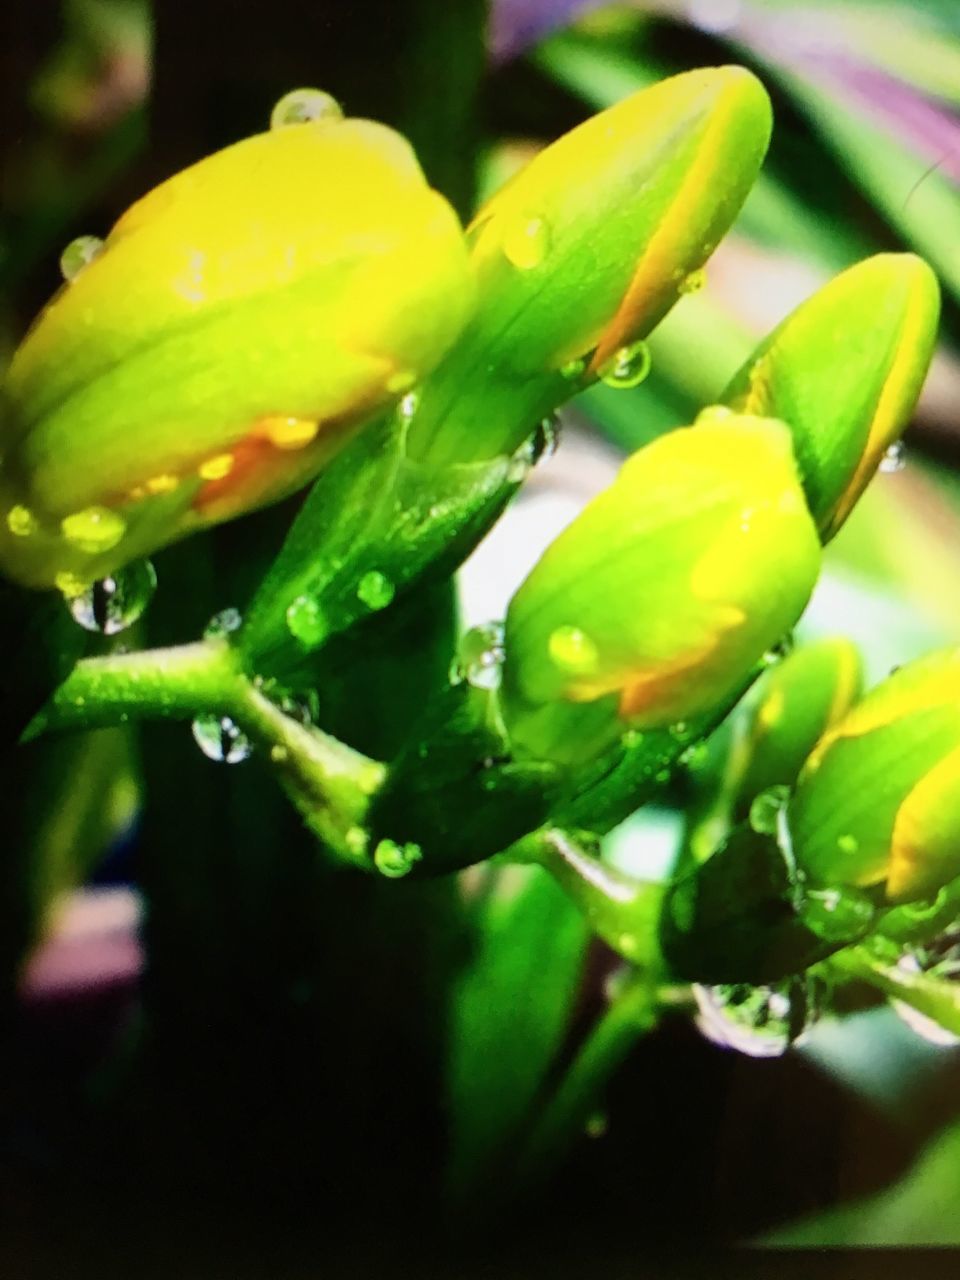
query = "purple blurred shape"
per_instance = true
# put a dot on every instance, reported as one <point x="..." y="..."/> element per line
<point x="517" y="24"/>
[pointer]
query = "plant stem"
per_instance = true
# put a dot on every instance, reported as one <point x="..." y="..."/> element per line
<point x="632" y="1012"/>
<point x="329" y="782"/>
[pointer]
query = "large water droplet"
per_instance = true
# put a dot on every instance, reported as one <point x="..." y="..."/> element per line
<point x="480" y="657"/>
<point x="221" y="740"/>
<point x="115" y="603"/>
<point x="302" y="106"/>
<point x="764" y="816"/>
<point x="375" y="590"/>
<point x="525" y="242"/>
<point x="894" y="459"/>
<point x="289" y="433"/>
<point x="305" y="621"/>
<point x="223" y="624"/>
<point x="572" y="650"/>
<point x="21" y="522"/>
<point x="762" y="1022"/>
<point x="78" y="254"/>
<point x="713" y="414"/>
<point x="838" y="914"/>
<point x="94" y="530"/>
<point x="396" y="860"/>
<point x="627" y="367"/>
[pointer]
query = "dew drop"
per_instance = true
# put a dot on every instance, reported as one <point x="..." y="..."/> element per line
<point x="94" y="530"/>
<point x="289" y="433"/>
<point x="573" y="368"/>
<point x="693" y="282"/>
<point x="21" y="522"/>
<point x="278" y="753"/>
<point x="221" y="740"/>
<point x="764" y="816"/>
<point x="78" y="254"/>
<point x="572" y="650"/>
<point x="480" y="657"/>
<point x="627" y="367"/>
<point x="305" y="621"/>
<point x="894" y="459"/>
<point x="782" y="649"/>
<point x="761" y="1022"/>
<point x="112" y="604"/>
<point x="407" y="407"/>
<point x="223" y="624"/>
<point x="525" y="242"/>
<point x="375" y="590"/>
<point x="217" y="467"/>
<point x="848" y="843"/>
<point x="596" y="1125"/>
<point x="302" y="106"/>
<point x="679" y="730"/>
<point x="396" y="860"/>
<point x="713" y="413"/>
<point x="836" y="915"/>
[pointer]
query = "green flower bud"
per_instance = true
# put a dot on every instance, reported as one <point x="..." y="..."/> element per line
<point x="656" y="603"/>
<point x="585" y="250"/>
<point x="878" y="801"/>
<point x="844" y="372"/>
<point x="787" y="712"/>
<point x="211" y="356"/>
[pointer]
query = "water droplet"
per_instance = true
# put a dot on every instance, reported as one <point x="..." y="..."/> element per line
<point x="302" y="106"/>
<point x="78" y="254"/>
<point x="764" y="816"/>
<point x="408" y="406"/>
<point x="836" y="915"/>
<point x="166" y="482"/>
<point x="627" y="367"/>
<point x="223" y="624"/>
<point x="480" y="657"/>
<point x="21" y="522"/>
<point x="894" y="459"/>
<point x="596" y="1125"/>
<point x="713" y="413"/>
<point x="693" y="282"/>
<point x="217" y="467"/>
<point x="761" y="1022"/>
<point x="525" y="242"/>
<point x="631" y="739"/>
<point x="679" y="730"/>
<point x="95" y="530"/>
<point x="782" y="649"/>
<point x="112" y="604"/>
<point x="396" y="860"/>
<point x="278" y="753"/>
<point x="289" y="433"/>
<point x="546" y="439"/>
<point x="375" y="590"/>
<point x="573" y="651"/>
<point x="848" y="844"/>
<point x="221" y="740"/>
<point x="573" y="368"/>
<point x="305" y="621"/>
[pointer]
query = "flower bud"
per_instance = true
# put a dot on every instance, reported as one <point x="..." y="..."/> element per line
<point x="844" y="371"/>
<point x="236" y="322"/>
<point x="787" y="711"/>
<point x="878" y="801"/>
<point x="586" y="249"/>
<point x="656" y="603"/>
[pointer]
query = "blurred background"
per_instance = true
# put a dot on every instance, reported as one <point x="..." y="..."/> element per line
<point x="249" y="1118"/>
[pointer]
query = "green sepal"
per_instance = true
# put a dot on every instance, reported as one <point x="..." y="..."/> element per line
<point x="734" y="919"/>
<point x="374" y="511"/>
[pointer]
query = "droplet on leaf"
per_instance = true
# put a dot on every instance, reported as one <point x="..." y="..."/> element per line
<point x="304" y="106"/>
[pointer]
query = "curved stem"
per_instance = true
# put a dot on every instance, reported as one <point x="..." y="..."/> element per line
<point x="329" y="782"/>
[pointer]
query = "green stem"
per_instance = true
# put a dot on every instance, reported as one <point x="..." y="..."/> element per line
<point x="938" y="998"/>
<point x="632" y="1013"/>
<point x="329" y="782"/>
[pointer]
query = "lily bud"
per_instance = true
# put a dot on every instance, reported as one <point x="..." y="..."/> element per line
<point x="236" y="322"/>
<point x="582" y="253"/>
<point x="878" y="801"/>
<point x="786" y="713"/>
<point x="656" y="603"/>
<point x="844" y="371"/>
